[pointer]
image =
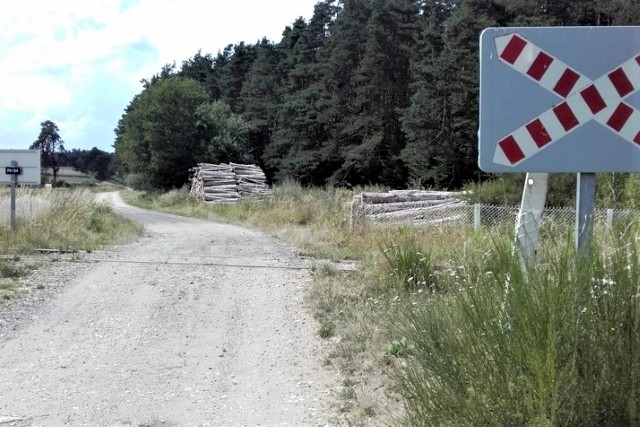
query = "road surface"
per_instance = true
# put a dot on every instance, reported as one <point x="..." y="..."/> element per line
<point x="196" y="324"/>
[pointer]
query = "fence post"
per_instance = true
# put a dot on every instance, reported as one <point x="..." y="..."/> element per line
<point x="609" y="219"/>
<point x="356" y="212"/>
<point x="477" y="212"/>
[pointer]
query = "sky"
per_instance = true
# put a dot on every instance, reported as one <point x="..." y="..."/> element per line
<point x="79" y="63"/>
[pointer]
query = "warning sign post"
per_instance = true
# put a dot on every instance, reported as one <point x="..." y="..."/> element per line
<point x="561" y="99"/>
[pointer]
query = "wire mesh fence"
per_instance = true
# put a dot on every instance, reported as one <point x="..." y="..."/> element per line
<point x="480" y="215"/>
<point x="28" y="205"/>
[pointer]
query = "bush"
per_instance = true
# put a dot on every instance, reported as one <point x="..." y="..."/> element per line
<point x="503" y="191"/>
<point x="506" y="190"/>
<point x="632" y="191"/>
<point x="137" y="182"/>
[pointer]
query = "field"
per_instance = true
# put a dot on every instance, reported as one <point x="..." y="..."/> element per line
<point x="440" y="326"/>
<point x="70" y="176"/>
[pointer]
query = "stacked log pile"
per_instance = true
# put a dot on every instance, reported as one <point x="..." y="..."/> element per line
<point x="251" y="181"/>
<point x="227" y="183"/>
<point x="408" y="207"/>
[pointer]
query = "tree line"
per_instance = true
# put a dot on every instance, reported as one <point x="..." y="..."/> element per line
<point x="53" y="154"/>
<point x="365" y="92"/>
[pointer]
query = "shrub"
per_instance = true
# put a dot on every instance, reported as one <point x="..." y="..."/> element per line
<point x="506" y="190"/>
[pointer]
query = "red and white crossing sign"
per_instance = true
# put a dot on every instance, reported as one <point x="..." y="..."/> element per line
<point x="560" y="99"/>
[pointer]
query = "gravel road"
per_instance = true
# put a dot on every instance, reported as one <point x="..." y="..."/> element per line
<point x="196" y="324"/>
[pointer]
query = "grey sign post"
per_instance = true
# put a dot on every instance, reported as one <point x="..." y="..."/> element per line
<point x="561" y="99"/>
<point x="20" y="167"/>
<point x="14" y="171"/>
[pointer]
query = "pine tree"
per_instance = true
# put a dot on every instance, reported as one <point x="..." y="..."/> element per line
<point x="51" y="147"/>
<point x="442" y="120"/>
<point x="261" y="94"/>
<point x="380" y="88"/>
<point x="345" y="49"/>
<point x="301" y="134"/>
<point x="233" y="71"/>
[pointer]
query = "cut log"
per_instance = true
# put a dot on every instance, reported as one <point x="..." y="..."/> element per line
<point x="434" y="212"/>
<point x="368" y="198"/>
<point x="399" y="206"/>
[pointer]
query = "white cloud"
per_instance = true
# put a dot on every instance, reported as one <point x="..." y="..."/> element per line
<point x="58" y="59"/>
<point x="74" y="128"/>
<point x="28" y="92"/>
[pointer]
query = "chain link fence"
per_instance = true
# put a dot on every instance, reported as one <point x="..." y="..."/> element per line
<point x="28" y="205"/>
<point x="458" y="213"/>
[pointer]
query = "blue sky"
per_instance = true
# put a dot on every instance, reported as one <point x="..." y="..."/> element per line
<point x="79" y="63"/>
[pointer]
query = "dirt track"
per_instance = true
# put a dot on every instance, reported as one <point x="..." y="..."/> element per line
<point x="196" y="324"/>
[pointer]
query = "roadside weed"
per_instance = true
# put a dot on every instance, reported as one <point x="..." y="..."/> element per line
<point x="71" y="221"/>
<point x="399" y="348"/>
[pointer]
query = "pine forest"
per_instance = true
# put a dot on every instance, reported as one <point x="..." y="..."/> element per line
<point x="366" y="92"/>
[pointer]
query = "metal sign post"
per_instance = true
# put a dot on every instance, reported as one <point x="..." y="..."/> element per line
<point x="529" y="218"/>
<point x="14" y="183"/>
<point x="585" y="208"/>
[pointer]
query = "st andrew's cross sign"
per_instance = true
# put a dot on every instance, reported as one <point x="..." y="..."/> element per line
<point x="560" y="99"/>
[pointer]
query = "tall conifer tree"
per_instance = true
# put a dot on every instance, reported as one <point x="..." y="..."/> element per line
<point x="301" y="131"/>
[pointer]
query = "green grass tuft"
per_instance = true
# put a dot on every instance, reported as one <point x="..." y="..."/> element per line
<point x="327" y="330"/>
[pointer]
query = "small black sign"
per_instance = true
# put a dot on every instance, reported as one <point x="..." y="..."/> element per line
<point x="12" y="170"/>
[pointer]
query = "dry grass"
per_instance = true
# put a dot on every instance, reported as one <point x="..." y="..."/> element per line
<point x="62" y="219"/>
<point x="70" y="221"/>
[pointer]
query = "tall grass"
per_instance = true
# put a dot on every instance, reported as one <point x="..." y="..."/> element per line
<point x="409" y="262"/>
<point x="559" y="345"/>
<point x="71" y="221"/>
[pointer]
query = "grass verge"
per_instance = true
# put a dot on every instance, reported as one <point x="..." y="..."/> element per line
<point x="559" y="345"/>
<point x="439" y="326"/>
<point x="69" y="221"/>
<point x="64" y="220"/>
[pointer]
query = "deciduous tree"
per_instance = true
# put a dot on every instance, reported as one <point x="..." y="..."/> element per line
<point x="159" y="139"/>
<point x="227" y="134"/>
